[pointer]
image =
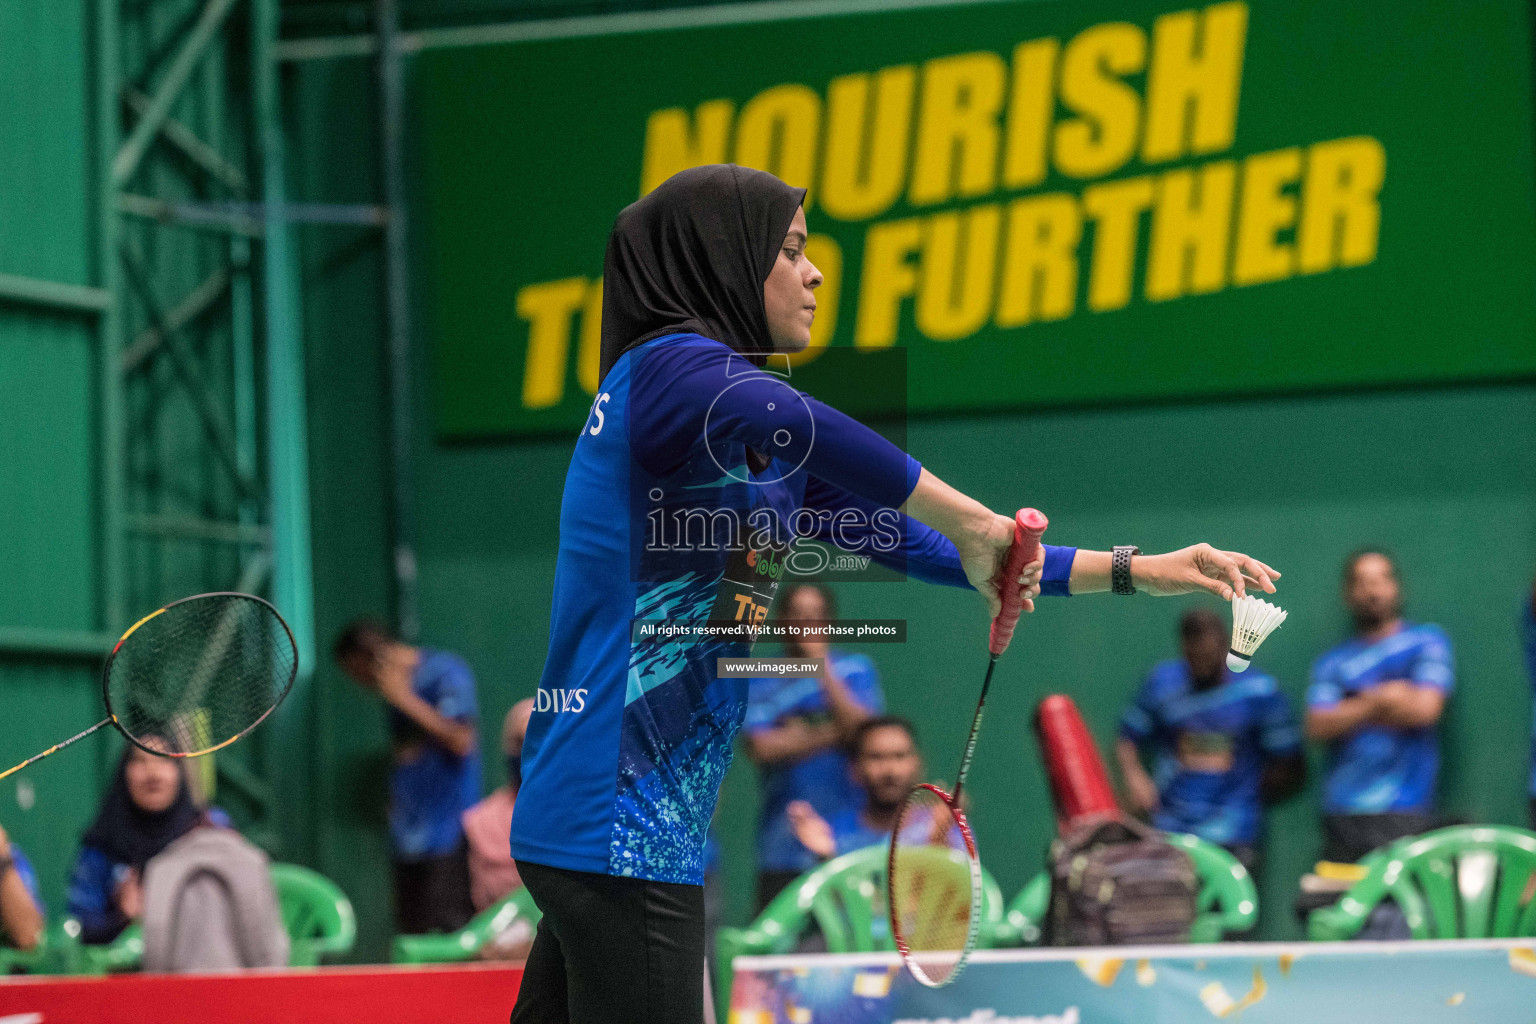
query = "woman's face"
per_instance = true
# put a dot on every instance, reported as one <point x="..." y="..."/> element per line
<point x="788" y="294"/>
<point x="153" y="782"/>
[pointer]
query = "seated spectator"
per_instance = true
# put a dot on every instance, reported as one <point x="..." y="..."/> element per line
<point x="435" y="740"/>
<point x="1223" y="744"/>
<point x="488" y="824"/>
<point x="209" y="905"/>
<point x="21" y="913"/>
<point x="148" y="807"/>
<point x="1376" y="700"/>
<point x="886" y="765"/>
<point x="796" y="733"/>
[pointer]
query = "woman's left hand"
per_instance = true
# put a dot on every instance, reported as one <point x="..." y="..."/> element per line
<point x="1201" y="567"/>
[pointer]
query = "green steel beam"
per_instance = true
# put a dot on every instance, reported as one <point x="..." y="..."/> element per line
<point x="196" y="216"/>
<point x="193" y="47"/>
<point x="109" y="381"/>
<point x="193" y="148"/>
<point x="69" y="298"/>
<point x="203" y="401"/>
<point x="196" y="302"/>
<point x="188" y="528"/>
<point x="59" y="643"/>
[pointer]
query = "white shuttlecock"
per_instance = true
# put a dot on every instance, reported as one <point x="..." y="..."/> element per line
<point x="1252" y="621"/>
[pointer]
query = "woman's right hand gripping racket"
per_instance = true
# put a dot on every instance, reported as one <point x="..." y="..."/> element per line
<point x="934" y="874"/>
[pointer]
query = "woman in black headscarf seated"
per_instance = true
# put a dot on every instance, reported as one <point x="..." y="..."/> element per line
<point x="698" y="472"/>
<point x="147" y="808"/>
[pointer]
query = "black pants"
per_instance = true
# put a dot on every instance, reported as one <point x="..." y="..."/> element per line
<point x="612" y="950"/>
<point x="432" y="895"/>
<point x="1348" y="837"/>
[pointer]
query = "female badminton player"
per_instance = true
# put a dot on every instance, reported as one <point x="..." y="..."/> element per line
<point x="693" y="474"/>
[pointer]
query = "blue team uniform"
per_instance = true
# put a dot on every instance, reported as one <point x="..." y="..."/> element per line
<point x="1380" y="769"/>
<point x="1210" y="748"/>
<point x="664" y="518"/>
<point x="823" y="779"/>
<point x="429" y="793"/>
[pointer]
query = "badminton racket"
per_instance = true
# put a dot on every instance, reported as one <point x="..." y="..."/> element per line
<point x="194" y="676"/>
<point x="933" y="871"/>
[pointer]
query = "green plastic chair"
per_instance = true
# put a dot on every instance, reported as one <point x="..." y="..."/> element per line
<point x="316" y="914"/>
<point x="28" y="961"/>
<point x="1228" y="901"/>
<point x="845" y="897"/>
<point x="1463" y="882"/>
<point x="467" y="942"/>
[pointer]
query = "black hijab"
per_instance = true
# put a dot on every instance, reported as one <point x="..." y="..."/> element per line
<point x="693" y="256"/>
<point x="130" y="835"/>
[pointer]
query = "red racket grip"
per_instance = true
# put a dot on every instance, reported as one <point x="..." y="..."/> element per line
<point x="1028" y="525"/>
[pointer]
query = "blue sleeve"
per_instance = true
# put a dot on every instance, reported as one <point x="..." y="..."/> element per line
<point x="455" y="691"/>
<point x="28" y="876"/>
<point x="94" y="880"/>
<point x="762" y="709"/>
<point x="1435" y="665"/>
<point x="863" y="681"/>
<point x="1326" y="689"/>
<point x="1139" y="720"/>
<point x="1279" y="733"/>
<point x="686" y="394"/>
<point x="897" y="541"/>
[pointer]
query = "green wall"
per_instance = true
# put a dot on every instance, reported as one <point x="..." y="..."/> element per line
<point x="47" y="432"/>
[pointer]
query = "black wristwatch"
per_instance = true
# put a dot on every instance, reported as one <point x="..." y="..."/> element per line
<point x="1120" y="569"/>
<point x="6" y="863"/>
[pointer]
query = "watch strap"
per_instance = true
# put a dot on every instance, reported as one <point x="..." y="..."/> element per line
<point x="1120" y="569"/>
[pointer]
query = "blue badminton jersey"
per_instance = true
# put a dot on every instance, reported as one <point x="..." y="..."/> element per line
<point x="1380" y="769"/>
<point x="1210" y="747"/>
<point x="663" y="519"/>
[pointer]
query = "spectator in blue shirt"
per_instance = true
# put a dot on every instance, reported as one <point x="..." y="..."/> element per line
<point x="1376" y="700"/>
<point x="435" y="740"/>
<point x="886" y="765"/>
<point x="21" y="912"/>
<point x="797" y="731"/>
<point x="148" y="807"/>
<point x="1528" y="637"/>
<point x="1222" y="744"/>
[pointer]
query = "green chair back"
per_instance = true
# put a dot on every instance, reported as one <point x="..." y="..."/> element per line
<point x="316" y="914"/>
<point x="467" y="942"/>
<point x="1463" y="882"/>
<point x="1227" y="903"/>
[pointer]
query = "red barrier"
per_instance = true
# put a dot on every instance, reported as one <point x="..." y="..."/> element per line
<point x="467" y="994"/>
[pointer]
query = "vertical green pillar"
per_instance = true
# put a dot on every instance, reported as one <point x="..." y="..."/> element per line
<point x="287" y="439"/>
<point x="108" y="325"/>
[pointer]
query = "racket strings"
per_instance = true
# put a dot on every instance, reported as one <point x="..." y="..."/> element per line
<point x="200" y="673"/>
<point x="934" y="885"/>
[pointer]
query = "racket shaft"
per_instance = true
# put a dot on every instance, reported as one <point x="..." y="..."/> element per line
<point x="56" y="747"/>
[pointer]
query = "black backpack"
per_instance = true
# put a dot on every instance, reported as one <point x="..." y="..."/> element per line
<point x="1117" y="882"/>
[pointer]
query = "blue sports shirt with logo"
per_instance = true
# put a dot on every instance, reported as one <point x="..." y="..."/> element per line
<point x="1379" y="769"/>
<point x="664" y="518"/>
